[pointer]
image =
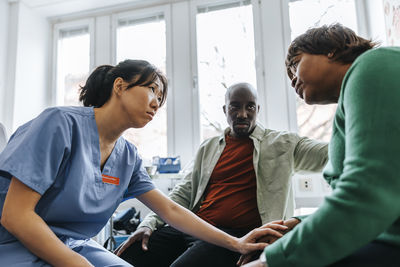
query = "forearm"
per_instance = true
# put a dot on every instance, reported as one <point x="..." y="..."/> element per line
<point x="188" y="222"/>
<point x="35" y="234"/>
<point x="180" y="194"/>
<point x="185" y="221"/>
<point x="310" y="155"/>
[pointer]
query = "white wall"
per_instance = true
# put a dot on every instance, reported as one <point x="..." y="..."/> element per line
<point x="28" y="63"/>
<point x="3" y="55"/>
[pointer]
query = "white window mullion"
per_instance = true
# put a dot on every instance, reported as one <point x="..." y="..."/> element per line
<point x="259" y="55"/>
<point x="171" y="130"/>
<point x="195" y="105"/>
<point x="361" y="14"/>
<point x="291" y="97"/>
<point x="274" y="46"/>
<point x="103" y="40"/>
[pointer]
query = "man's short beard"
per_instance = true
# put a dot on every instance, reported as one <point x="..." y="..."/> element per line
<point x="241" y="132"/>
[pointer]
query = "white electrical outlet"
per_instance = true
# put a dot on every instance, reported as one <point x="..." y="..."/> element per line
<point x="305" y="184"/>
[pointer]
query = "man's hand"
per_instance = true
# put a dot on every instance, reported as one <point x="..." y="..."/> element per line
<point x="269" y="239"/>
<point x="246" y="243"/>
<point x="290" y="224"/>
<point x="142" y="233"/>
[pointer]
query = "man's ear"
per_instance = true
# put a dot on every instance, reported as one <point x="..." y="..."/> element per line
<point x="224" y="109"/>
<point x="331" y="54"/>
<point x="117" y="86"/>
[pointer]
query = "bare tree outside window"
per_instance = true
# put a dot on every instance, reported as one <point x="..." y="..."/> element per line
<point x="315" y="121"/>
<point x="225" y="55"/>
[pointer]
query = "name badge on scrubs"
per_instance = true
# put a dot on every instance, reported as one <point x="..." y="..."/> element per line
<point x="110" y="179"/>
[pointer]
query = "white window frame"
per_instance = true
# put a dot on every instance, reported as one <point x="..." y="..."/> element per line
<point x="57" y="96"/>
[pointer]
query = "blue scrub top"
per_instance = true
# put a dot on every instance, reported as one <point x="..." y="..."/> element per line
<point x="57" y="154"/>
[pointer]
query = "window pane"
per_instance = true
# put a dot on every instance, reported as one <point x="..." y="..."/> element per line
<point x="73" y="63"/>
<point x="392" y="22"/>
<point x="146" y="39"/>
<point x="315" y="121"/>
<point x="225" y="55"/>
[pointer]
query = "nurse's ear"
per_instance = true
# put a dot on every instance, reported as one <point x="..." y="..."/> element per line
<point x="117" y="86"/>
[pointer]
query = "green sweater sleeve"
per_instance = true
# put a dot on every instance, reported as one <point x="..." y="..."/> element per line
<point x="365" y="201"/>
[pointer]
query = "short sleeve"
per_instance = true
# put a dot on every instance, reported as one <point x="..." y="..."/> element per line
<point x="37" y="150"/>
<point x="140" y="181"/>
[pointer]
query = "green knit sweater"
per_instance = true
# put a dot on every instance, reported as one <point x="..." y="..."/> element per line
<point x="363" y="170"/>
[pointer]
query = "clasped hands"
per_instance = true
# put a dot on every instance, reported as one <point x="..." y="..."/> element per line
<point x="265" y="234"/>
<point x="269" y="239"/>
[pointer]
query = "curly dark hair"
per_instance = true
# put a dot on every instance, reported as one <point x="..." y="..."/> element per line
<point x="343" y="42"/>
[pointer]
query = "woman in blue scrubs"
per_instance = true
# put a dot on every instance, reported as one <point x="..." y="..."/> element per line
<point x="63" y="174"/>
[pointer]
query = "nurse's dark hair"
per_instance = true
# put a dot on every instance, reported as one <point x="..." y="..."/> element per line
<point x="344" y="43"/>
<point x="99" y="85"/>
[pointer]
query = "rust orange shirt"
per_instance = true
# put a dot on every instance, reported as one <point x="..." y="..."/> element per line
<point x="230" y="198"/>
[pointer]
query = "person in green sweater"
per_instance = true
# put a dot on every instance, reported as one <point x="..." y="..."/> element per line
<point x="359" y="223"/>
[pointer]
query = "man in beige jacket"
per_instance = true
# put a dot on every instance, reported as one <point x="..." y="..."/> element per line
<point x="240" y="180"/>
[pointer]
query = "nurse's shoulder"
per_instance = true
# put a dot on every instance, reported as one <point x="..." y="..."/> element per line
<point x="68" y="115"/>
<point x="53" y="119"/>
<point x="68" y="111"/>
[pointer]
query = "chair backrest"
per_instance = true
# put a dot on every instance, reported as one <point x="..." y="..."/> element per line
<point x="3" y="137"/>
